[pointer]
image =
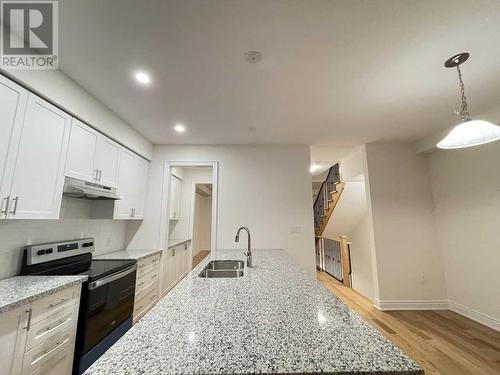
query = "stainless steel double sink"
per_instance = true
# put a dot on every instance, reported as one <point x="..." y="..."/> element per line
<point x="223" y="269"/>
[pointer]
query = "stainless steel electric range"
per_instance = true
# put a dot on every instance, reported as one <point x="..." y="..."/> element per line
<point x="107" y="300"/>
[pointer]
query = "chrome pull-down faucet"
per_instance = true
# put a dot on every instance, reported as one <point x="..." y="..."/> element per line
<point x="249" y="250"/>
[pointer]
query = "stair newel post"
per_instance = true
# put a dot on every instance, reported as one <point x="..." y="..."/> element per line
<point x="346" y="267"/>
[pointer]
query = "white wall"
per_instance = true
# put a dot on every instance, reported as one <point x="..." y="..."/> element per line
<point x="408" y="259"/>
<point x="361" y="259"/>
<point x="466" y="187"/>
<point x="14" y="234"/>
<point x="57" y="86"/>
<point x="267" y="188"/>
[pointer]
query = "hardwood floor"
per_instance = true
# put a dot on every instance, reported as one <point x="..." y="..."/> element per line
<point x="199" y="257"/>
<point x="441" y="342"/>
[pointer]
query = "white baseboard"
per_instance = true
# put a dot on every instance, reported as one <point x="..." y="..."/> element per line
<point x="477" y="316"/>
<point x="411" y="305"/>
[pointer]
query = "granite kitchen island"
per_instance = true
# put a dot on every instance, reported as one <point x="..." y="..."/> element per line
<point x="277" y="318"/>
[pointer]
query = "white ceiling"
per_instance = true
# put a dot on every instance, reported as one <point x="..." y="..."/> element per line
<point x="333" y="72"/>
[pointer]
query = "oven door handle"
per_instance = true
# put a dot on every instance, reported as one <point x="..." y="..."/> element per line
<point x="113" y="277"/>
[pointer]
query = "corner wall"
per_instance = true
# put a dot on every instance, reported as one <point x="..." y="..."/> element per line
<point x="266" y="188"/>
<point x="466" y="187"/>
<point x="409" y="269"/>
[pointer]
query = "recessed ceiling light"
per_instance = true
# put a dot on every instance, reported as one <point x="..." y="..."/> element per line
<point x="179" y="128"/>
<point x="143" y="77"/>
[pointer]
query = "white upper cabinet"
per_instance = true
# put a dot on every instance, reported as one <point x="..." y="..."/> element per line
<point x="175" y="197"/>
<point x="92" y="156"/>
<point x="81" y="152"/>
<point x="132" y="182"/>
<point x="107" y="161"/>
<point x="12" y="105"/>
<point x="34" y="171"/>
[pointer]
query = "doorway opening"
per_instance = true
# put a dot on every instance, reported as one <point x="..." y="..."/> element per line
<point x="189" y="217"/>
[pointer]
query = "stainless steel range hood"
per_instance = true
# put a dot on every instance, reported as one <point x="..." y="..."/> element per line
<point x="75" y="188"/>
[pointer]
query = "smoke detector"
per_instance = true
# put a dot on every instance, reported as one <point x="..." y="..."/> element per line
<point x="253" y="57"/>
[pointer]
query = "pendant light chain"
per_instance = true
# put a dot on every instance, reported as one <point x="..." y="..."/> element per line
<point x="464" y="111"/>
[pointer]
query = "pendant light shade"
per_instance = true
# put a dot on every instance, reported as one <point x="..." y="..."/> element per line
<point x="470" y="132"/>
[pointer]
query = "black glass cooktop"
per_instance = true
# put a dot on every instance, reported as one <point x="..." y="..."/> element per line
<point x="100" y="268"/>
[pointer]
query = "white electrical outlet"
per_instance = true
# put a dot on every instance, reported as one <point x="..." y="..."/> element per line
<point x="295" y="229"/>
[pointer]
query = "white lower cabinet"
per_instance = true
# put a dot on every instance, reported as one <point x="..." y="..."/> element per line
<point x="13" y="336"/>
<point x="176" y="265"/>
<point x="146" y="285"/>
<point x="39" y="337"/>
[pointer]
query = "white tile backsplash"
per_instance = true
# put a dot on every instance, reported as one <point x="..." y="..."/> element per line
<point x="14" y="234"/>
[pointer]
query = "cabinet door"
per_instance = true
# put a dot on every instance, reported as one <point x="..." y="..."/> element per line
<point x="13" y="100"/>
<point x="13" y="337"/>
<point x="38" y="167"/>
<point x="175" y="197"/>
<point x="107" y="159"/>
<point x="187" y="257"/>
<point x="170" y="269"/>
<point x="142" y="180"/>
<point x="132" y="179"/>
<point x="81" y="152"/>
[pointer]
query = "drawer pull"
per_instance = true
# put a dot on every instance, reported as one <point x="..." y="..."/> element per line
<point x="140" y="284"/>
<point x="52" y="305"/>
<point x="49" y="328"/>
<point x="45" y="352"/>
<point x="29" y="312"/>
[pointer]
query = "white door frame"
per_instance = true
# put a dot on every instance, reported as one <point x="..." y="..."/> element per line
<point x="165" y="201"/>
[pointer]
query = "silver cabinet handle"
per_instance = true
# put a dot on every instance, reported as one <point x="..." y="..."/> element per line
<point x="5" y="205"/>
<point x="29" y="312"/>
<point x="52" y="305"/>
<point x="14" y="210"/>
<point x="96" y="171"/>
<point x="100" y="174"/>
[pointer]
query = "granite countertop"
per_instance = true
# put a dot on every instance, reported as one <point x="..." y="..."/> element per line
<point x="128" y="254"/>
<point x="175" y="242"/>
<point x="18" y="290"/>
<point x="277" y="318"/>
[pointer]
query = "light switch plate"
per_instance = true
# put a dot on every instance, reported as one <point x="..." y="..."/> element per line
<point x="295" y="229"/>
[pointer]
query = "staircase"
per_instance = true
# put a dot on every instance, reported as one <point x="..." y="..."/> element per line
<point x="328" y="196"/>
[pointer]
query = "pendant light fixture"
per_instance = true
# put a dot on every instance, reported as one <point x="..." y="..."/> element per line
<point x="469" y="132"/>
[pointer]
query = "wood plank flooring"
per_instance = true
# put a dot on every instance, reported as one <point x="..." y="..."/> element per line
<point x="441" y="342"/>
<point x="199" y="257"/>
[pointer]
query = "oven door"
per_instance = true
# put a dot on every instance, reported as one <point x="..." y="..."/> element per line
<point x="110" y="301"/>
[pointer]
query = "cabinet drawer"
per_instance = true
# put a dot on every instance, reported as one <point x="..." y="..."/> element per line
<point x="144" y="304"/>
<point x="148" y="262"/>
<point x="147" y="278"/>
<point x="153" y="286"/>
<point x="43" y="353"/>
<point x="64" y="320"/>
<point x="60" y="362"/>
<point x="46" y="307"/>
<point x="144" y="270"/>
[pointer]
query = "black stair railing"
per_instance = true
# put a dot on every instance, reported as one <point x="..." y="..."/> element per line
<point x="328" y="186"/>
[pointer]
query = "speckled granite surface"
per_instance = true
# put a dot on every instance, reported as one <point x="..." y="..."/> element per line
<point x="175" y="242"/>
<point x="275" y="319"/>
<point x="23" y="289"/>
<point x="128" y="254"/>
